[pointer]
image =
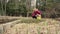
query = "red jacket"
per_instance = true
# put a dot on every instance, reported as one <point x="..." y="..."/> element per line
<point x="36" y="12"/>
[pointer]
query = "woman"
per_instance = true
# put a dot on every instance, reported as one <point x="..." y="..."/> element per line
<point x="36" y="13"/>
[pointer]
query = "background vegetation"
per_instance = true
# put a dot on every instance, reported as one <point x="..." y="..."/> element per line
<point x="49" y="8"/>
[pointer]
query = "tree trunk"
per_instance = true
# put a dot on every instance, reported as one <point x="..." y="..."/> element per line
<point x="2" y="7"/>
<point x="28" y="3"/>
<point x="5" y="7"/>
<point x="27" y="14"/>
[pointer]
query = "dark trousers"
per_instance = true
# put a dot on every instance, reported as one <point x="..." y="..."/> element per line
<point x="34" y="17"/>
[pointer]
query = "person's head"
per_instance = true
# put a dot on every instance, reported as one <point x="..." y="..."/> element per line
<point x="35" y="9"/>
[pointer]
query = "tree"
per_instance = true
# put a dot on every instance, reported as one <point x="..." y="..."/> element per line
<point x="1" y="7"/>
<point x="22" y="8"/>
<point x="16" y="7"/>
<point x="28" y="5"/>
<point x="12" y="7"/>
<point x="50" y="8"/>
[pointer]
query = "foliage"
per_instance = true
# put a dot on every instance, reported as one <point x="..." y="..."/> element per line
<point x="16" y="7"/>
<point x="48" y="8"/>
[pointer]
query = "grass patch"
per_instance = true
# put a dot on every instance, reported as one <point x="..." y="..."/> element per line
<point x="38" y="30"/>
<point x="30" y="20"/>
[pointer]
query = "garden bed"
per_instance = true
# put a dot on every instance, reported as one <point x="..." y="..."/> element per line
<point x="5" y="19"/>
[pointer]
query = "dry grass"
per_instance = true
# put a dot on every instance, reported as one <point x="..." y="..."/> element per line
<point x="33" y="26"/>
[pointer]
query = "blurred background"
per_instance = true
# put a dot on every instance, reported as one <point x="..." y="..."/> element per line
<point x="24" y="8"/>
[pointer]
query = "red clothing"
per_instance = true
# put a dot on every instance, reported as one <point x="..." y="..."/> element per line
<point x="36" y="12"/>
